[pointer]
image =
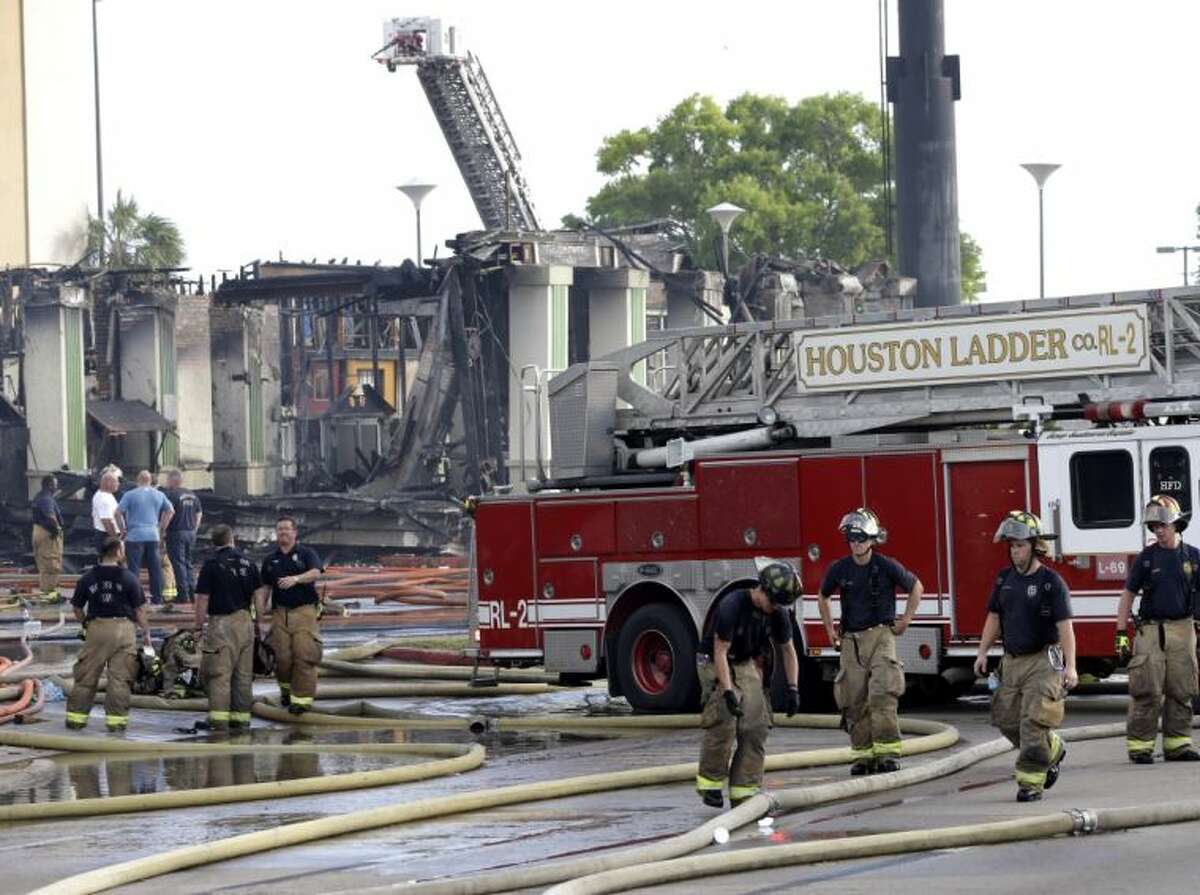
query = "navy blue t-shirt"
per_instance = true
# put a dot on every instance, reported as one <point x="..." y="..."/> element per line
<point x="108" y="592"/>
<point x="282" y="565"/>
<point x="1030" y="607"/>
<point x="868" y="592"/>
<point x="1167" y="580"/>
<point x="745" y="628"/>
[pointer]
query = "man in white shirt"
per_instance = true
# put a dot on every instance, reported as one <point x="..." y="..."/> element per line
<point x="104" y="507"/>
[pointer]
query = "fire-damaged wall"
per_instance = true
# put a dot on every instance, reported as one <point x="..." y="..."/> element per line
<point x="195" y="411"/>
<point x="247" y="449"/>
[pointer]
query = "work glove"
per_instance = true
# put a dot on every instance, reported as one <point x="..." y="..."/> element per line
<point x="793" y="701"/>
<point x="733" y="703"/>
<point x="1124" y="651"/>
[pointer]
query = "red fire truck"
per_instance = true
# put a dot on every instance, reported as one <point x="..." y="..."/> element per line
<point x="760" y="436"/>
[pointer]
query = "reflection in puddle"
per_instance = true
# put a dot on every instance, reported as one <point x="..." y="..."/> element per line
<point x="68" y="777"/>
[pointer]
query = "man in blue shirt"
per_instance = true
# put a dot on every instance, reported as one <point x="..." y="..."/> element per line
<point x="48" y="538"/>
<point x="143" y="515"/>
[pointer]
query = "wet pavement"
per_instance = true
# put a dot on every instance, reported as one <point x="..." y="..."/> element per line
<point x="1096" y="775"/>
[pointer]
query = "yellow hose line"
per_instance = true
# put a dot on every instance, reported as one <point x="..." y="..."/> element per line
<point x="453" y="759"/>
<point x="418" y="671"/>
<point x="934" y="736"/>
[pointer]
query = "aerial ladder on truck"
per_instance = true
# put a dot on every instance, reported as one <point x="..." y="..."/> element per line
<point x="470" y="118"/>
<point x="757" y="436"/>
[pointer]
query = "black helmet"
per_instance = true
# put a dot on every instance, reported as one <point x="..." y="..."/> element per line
<point x="264" y="658"/>
<point x="778" y="580"/>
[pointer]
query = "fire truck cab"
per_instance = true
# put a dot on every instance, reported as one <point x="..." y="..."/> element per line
<point x="616" y="572"/>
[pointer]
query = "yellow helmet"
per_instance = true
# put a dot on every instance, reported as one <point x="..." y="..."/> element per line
<point x="1020" y="525"/>
<point x="1164" y="509"/>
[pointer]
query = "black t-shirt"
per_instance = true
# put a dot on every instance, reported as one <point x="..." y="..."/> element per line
<point x="229" y="579"/>
<point x="187" y="509"/>
<point x="868" y="592"/>
<point x="1167" y="580"/>
<point x="1030" y="607"/>
<point x="108" y="592"/>
<point x="295" y="562"/>
<point x="747" y="630"/>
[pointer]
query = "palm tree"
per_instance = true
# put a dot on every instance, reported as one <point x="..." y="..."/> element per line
<point x="131" y="239"/>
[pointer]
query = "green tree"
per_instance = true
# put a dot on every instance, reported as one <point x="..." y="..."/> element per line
<point x="128" y="238"/>
<point x="974" y="277"/>
<point x="809" y="176"/>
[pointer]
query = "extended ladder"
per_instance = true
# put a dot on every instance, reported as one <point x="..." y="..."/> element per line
<point x="472" y="122"/>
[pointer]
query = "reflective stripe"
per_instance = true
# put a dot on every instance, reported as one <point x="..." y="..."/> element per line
<point x="703" y="783"/>
<point x="1034" y="779"/>
<point x="240" y="717"/>
<point x="302" y="700"/>
<point x="285" y="688"/>
<point x="1056" y="747"/>
<point x="117" y="720"/>
<point x="1174" y="744"/>
<point x="1139" y="745"/>
<point x="889" y="749"/>
<point x="77" y="717"/>
<point x="218" y="716"/>
<point x="742" y="792"/>
<point x="862" y="754"/>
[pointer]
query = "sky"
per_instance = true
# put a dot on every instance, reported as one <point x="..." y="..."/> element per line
<point x="263" y="127"/>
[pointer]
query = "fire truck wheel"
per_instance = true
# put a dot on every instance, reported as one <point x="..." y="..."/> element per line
<point x="656" y="660"/>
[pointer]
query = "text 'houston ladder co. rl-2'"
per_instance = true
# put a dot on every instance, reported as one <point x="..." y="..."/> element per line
<point x="470" y="117"/>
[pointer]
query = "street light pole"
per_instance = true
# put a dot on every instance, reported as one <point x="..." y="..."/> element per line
<point x="417" y="191"/>
<point x="1171" y="250"/>
<point x="1041" y="173"/>
<point x="99" y="158"/>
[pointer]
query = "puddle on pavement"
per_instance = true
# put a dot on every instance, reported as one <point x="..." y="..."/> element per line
<point x="68" y="777"/>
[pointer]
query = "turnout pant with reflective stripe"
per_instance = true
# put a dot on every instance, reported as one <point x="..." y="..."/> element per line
<point x="227" y="668"/>
<point x="723" y="732"/>
<point x="110" y="645"/>
<point x="47" y="556"/>
<point x="169" y="591"/>
<point x="1027" y="708"/>
<point x="868" y="687"/>
<point x="1162" y="681"/>
<point x="296" y="639"/>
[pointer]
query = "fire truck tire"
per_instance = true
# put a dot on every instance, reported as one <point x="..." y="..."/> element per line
<point x="656" y="660"/>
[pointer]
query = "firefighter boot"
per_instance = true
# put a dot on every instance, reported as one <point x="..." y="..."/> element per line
<point x="713" y="798"/>
<point x="1028" y="794"/>
<point x="1187" y="753"/>
<point x="1142" y="757"/>
<point x="1052" y="772"/>
<point x="886" y="766"/>
<point x="862" y="767"/>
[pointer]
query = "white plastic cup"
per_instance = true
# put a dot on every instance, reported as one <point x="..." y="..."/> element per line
<point x="720" y="835"/>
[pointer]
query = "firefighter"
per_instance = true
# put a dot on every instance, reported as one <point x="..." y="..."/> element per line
<point x="108" y="601"/>
<point x="224" y="593"/>
<point x="1162" y="662"/>
<point x="735" y="706"/>
<point x="870" y="679"/>
<point x="287" y="576"/>
<point x="1030" y="611"/>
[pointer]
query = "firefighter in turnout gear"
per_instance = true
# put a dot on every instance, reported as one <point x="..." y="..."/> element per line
<point x="1162" y="663"/>
<point x="870" y="679"/>
<point x="108" y="601"/>
<point x="224" y="594"/>
<point x="1030" y="611"/>
<point x="288" y="577"/>
<point x="736" y="710"/>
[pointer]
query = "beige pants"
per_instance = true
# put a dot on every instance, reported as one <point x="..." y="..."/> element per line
<point x="296" y="639"/>
<point x="1162" y="681"/>
<point x="47" y="556"/>
<point x="1027" y="708"/>
<point x="868" y="687"/>
<point x="227" y="668"/>
<point x="723" y="732"/>
<point x="110" y="646"/>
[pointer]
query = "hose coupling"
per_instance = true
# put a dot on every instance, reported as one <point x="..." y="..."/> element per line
<point x="1085" y="822"/>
